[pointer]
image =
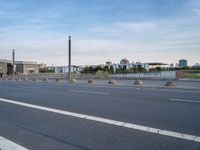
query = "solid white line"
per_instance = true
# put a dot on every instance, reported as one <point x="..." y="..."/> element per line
<point x="6" y="144"/>
<point x="89" y="92"/>
<point x="109" y="121"/>
<point x="168" y="90"/>
<point x="182" y="100"/>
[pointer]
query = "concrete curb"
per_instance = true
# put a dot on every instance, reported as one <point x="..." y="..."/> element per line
<point x="147" y="86"/>
<point x="91" y="81"/>
<point x="113" y="82"/>
<point x="138" y="82"/>
<point x="114" y="85"/>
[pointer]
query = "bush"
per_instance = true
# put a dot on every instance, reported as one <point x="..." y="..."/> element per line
<point x="101" y="74"/>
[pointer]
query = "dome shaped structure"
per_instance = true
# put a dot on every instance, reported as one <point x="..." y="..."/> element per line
<point x="124" y="61"/>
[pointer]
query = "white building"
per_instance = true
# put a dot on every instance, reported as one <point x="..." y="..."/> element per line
<point x="171" y="65"/>
<point x="65" y="69"/>
<point x="197" y="65"/>
<point x="125" y="64"/>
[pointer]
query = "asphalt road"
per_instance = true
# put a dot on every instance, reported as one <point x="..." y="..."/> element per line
<point x="173" y="110"/>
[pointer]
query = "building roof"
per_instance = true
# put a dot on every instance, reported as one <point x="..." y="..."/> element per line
<point x="196" y="65"/>
<point x="18" y="62"/>
<point x="5" y="61"/>
<point x="182" y="60"/>
<point x="25" y="62"/>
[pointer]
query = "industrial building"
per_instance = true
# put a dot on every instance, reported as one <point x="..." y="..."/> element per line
<point x="5" y="66"/>
<point x="21" y="67"/>
<point x="26" y="67"/>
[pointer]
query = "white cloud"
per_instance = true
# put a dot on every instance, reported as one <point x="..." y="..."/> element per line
<point x="197" y="11"/>
<point x="137" y="26"/>
<point x="166" y="39"/>
<point x="125" y="27"/>
<point x="51" y="47"/>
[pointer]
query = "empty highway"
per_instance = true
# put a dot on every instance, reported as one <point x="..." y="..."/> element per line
<point x="98" y="117"/>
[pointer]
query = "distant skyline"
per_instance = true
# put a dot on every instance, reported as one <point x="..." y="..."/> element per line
<point x="106" y="30"/>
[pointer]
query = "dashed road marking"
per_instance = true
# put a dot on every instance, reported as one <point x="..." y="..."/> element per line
<point x="89" y="92"/>
<point x="171" y="90"/>
<point x="109" y="121"/>
<point x="182" y="91"/>
<point x="184" y="100"/>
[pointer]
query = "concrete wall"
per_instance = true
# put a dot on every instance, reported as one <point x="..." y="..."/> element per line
<point x="151" y="76"/>
<point x="164" y="75"/>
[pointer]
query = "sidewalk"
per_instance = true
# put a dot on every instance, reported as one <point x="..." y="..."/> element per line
<point x="151" y="83"/>
<point x="180" y="84"/>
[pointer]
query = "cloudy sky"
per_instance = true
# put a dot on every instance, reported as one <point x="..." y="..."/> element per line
<point x="101" y="30"/>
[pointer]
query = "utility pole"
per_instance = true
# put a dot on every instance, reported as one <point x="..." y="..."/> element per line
<point x="13" y="63"/>
<point x="69" y="75"/>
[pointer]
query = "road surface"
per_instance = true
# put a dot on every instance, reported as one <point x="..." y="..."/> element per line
<point x="98" y="117"/>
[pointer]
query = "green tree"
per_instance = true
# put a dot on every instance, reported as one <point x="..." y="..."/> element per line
<point x="46" y="70"/>
<point x="112" y="70"/>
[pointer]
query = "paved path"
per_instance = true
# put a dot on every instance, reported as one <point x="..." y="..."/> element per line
<point x="155" y="83"/>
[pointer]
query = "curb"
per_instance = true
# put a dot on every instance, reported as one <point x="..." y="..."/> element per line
<point x="119" y="85"/>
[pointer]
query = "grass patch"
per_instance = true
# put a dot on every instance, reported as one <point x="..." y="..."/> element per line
<point x="193" y="76"/>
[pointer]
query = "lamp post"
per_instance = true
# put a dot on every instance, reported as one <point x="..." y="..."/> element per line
<point x="13" y="63"/>
<point x="69" y="75"/>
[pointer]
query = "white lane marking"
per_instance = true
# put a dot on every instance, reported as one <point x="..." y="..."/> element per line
<point x="183" y="91"/>
<point x="109" y="121"/>
<point x="184" y="100"/>
<point x="6" y="144"/>
<point x="89" y="92"/>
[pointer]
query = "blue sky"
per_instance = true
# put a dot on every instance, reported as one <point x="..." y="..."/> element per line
<point x="140" y="30"/>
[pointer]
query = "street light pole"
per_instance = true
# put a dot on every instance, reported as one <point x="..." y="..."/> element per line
<point x="69" y="59"/>
<point x="13" y="62"/>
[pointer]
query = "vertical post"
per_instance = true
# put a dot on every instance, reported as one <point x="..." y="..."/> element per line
<point x="69" y="59"/>
<point x="13" y="63"/>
